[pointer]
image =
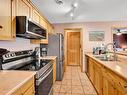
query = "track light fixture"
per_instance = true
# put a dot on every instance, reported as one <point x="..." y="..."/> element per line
<point x="59" y="2"/>
<point x="74" y="5"/>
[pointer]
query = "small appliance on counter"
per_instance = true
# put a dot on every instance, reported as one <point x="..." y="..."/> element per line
<point x="99" y="50"/>
<point x="44" y="52"/>
<point x="43" y="49"/>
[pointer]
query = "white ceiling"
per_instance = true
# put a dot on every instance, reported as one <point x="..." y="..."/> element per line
<point x="87" y="10"/>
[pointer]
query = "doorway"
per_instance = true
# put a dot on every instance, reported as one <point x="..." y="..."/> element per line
<point x="73" y="47"/>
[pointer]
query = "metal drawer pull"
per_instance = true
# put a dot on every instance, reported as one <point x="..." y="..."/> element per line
<point x="1" y="27"/>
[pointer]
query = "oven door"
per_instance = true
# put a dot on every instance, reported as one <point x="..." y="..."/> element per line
<point x="44" y="83"/>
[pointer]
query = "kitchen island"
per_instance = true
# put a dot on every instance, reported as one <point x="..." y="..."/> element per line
<point x="108" y="77"/>
<point x="17" y="82"/>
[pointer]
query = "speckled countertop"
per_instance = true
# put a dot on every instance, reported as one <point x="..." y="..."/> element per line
<point x="118" y="67"/>
<point x="10" y="81"/>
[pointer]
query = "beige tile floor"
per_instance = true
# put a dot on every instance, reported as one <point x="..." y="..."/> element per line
<point x="74" y="83"/>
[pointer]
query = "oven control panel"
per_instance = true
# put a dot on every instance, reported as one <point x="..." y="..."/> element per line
<point x="12" y="55"/>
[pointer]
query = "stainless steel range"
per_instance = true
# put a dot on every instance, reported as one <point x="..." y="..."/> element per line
<point x="26" y="60"/>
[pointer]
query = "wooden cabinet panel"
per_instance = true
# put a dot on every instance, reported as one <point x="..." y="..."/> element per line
<point x="105" y="81"/>
<point x="6" y="20"/>
<point x="43" y="23"/>
<point x="30" y="91"/>
<point x="36" y="16"/>
<point x="98" y="79"/>
<point x="26" y="89"/>
<point x="121" y="93"/>
<point x="91" y="70"/>
<point x="50" y="29"/>
<point x="108" y="87"/>
<point x="23" y="8"/>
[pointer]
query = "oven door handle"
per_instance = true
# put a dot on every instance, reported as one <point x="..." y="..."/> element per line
<point x="42" y="78"/>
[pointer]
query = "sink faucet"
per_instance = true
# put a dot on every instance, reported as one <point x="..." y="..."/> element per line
<point x="114" y="50"/>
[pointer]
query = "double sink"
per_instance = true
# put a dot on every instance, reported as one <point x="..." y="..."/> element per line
<point x="105" y="57"/>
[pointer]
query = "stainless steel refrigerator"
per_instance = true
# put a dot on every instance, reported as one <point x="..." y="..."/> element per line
<point x="56" y="48"/>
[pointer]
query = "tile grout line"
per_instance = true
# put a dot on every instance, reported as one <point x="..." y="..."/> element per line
<point x="81" y="83"/>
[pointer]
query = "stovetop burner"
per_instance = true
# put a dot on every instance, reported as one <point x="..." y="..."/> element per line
<point x="35" y="65"/>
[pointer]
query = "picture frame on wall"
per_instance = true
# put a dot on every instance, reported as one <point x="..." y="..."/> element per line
<point x="96" y="35"/>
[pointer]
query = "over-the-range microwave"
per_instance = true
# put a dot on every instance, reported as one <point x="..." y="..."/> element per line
<point x="28" y="29"/>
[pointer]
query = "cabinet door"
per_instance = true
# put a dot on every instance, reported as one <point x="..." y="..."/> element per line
<point x="43" y="23"/>
<point x="50" y="29"/>
<point x="91" y="70"/>
<point x="108" y="87"/>
<point x="36" y="16"/>
<point x="5" y="20"/>
<point x="98" y="79"/>
<point x="121" y="93"/>
<point x="23" y="8"/>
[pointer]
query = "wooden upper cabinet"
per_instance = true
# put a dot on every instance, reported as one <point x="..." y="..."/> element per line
<point x="6" y="12"/>
<point x="35" y="16"/>
<point x="23" y="8"/>
<point x="43" y="23"/>
<point x="50" y="29"/>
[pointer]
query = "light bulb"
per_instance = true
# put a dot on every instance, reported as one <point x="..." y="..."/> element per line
<point x="71" y="14"/>
<point x="119" y="33"/>
<point x="75" y="5"/>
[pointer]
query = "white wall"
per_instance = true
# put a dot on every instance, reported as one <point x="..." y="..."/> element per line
<point x="19" y="44"/>
<point x="91" y="26"/>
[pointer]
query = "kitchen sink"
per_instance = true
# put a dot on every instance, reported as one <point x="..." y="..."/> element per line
<point x="105" y="58"/>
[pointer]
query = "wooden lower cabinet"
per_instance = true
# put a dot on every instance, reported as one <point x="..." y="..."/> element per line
<point x="98" y="79"/>
<point x="108" y="87"/>
<point x="26" y="89"/>
<point x="105" y="81"/>
<point x="91" y="70"/>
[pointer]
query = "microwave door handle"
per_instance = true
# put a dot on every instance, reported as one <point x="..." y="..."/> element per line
<point x="42" y="78"/>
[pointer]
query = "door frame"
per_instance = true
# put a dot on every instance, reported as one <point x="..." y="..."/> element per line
<point x="81" y="45"/>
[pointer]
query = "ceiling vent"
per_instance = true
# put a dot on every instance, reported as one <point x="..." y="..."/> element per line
<point x="59" y="2"/>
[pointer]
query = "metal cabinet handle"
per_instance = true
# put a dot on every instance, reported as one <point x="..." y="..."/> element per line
<point x="1" y="27"/>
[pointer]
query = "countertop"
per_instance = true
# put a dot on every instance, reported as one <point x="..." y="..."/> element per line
<point x="49" y="57"/>
<point x="10" y="81"/>
<point x="118" y="67"/>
